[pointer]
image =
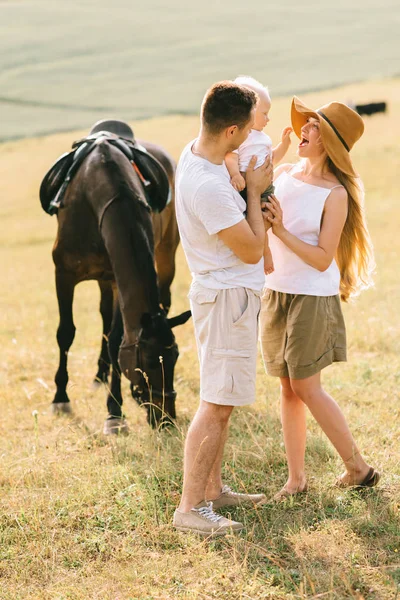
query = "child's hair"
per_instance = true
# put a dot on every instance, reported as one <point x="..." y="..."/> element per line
<point x="355" y="256"/>
<point x="252" y="84"/>
<point x="226" y="104"/>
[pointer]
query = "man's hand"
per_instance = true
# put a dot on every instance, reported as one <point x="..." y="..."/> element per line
<point x="238" y="182"/>
<point x="259" y="179"/>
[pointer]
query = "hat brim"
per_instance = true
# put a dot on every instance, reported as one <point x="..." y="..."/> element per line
<point x="334" y="148"/>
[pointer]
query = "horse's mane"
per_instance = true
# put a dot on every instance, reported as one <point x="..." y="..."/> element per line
<point x="135" y="214"/>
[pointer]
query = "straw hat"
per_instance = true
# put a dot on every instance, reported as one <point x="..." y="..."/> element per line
<point x="340" y="128"/>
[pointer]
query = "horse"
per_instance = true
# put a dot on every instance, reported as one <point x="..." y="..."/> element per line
<point x="107" y="232"/>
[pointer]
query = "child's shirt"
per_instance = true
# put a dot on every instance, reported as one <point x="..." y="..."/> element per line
<point x="257" y="144"/>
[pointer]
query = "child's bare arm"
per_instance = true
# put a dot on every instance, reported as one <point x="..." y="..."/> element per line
<point x="232" y="164"/>
<point x="280" y="150"/>
<point x="268" y="261"/>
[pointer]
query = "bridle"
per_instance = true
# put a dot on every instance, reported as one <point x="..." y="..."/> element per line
<point x="142" y="395"/>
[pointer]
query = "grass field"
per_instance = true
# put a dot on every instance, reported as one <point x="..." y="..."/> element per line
<point x="63" y="65"/>
<point x="88" y="517"/>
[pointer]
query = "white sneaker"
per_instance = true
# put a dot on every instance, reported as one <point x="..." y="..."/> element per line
<point x="204" y="521"/>
<point x="228" y="497"/>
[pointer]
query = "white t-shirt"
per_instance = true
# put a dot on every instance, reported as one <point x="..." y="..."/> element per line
<point x="257" y="144"/>
<point x="206" y="203"/>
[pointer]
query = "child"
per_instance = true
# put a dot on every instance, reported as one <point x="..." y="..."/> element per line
<point x="257" y="144"/>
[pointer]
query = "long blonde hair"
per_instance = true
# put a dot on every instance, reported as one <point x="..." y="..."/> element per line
<point x="355" y="255"/>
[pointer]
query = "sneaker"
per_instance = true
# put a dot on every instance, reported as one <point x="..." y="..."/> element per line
<point x="228" y="497"/>
<point x="204" y="521"/>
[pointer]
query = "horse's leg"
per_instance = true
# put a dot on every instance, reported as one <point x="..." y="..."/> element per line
<point x="65" y="285"/>
<point x="115" y="422"/>
<point x="165" y="261"/>
<point x="106" y="311"/>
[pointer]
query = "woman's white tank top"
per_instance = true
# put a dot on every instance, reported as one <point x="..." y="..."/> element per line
<point x="302" y="205"/>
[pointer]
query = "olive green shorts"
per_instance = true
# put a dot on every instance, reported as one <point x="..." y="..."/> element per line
<point x="300" y="335"/>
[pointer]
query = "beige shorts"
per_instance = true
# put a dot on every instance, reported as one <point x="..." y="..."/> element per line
<point x="226" y="327"/>
<point x="300" y="335"/>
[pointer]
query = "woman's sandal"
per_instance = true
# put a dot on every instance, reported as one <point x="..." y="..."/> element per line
<point x="370" y="480"/>
<point x="284" y="494"/>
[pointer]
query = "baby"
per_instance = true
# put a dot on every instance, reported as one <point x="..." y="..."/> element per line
<point x="257" y="144"/>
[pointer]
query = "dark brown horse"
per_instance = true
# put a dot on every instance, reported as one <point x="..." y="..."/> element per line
<point x="106" y="232"/>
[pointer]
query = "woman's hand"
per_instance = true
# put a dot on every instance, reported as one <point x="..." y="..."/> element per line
<point x="276" y="219"/>
<point x="265" y="214"/>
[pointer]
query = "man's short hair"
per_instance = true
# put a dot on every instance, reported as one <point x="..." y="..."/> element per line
<point x="226" y="104"/>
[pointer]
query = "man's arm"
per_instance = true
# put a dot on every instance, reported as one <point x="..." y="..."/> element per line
<point x="246" y="239"/>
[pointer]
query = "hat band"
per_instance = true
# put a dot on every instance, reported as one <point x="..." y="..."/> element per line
<point x="334" y="129"/>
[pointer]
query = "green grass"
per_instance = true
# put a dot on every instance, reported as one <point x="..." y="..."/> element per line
<point x="64" y="65"/>
<point x="88" y="517"/>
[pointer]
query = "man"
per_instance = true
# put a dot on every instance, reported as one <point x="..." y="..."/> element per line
<point x="223" y="241"/>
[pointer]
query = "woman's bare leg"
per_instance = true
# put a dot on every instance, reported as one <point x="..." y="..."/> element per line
<point x="293" y="417"/>
<point x="331" y="419"/>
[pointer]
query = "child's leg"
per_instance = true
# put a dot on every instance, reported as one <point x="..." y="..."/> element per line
<point x="268" y="192"/>
<point x="268" y="261"/>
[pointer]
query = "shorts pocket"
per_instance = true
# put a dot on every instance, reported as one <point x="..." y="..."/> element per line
<point x="331" y="325"/>
<point x="237" y="320"/>
<point x="250" y="304"/>
<point x="232" y="372"/>
<point x="202" y="295"/>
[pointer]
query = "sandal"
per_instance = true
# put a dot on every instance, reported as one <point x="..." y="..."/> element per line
<point x="284" y="494"/>
<point x="370" y="480"/>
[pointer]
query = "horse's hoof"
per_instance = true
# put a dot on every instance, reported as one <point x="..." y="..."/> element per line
<point x="61" y="408"/>
<point x="115" y="427"/>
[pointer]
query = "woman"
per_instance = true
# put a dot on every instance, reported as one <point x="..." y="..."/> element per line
<point x="322" y="253"/>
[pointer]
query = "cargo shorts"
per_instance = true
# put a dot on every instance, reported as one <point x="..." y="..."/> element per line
<point x="226" y="330"/>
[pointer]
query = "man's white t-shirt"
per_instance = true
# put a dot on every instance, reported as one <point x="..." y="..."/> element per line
<point x="257" y="144"/>
<point x="206" y="203"/>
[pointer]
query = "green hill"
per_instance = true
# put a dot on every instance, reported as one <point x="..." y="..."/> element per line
<point x="63" y="65"/>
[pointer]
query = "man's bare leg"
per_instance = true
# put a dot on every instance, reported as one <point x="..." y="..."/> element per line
<point x="202" y="449"/>
<point x="214" y="484"/>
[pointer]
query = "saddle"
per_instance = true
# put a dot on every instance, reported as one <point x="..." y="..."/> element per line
<point x="151" y="173"/>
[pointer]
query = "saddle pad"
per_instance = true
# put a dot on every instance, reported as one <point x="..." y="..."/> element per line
<point x="158" y="189"/>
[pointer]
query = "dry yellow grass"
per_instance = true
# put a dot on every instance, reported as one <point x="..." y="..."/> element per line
<point x="83" y="517"/>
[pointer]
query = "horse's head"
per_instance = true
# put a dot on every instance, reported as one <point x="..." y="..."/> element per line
<point x="149" y="364"/>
